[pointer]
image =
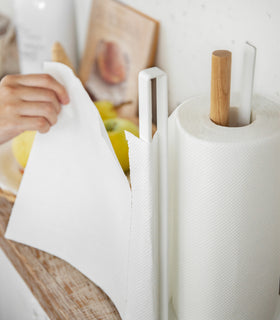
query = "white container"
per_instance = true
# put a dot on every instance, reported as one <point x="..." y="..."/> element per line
<point x="39" y="24"/>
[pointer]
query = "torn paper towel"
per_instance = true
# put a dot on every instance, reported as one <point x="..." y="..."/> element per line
<point x="75" y="202"/>
<point x="143" y="264"/>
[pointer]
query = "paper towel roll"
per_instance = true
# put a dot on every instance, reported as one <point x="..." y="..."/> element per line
<point x="226" y="204"/>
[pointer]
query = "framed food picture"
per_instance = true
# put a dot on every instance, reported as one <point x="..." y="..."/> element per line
<point x="120" y="42"/>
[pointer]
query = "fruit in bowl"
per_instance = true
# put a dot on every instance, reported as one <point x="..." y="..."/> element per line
<point x="21" y="146"/>
<point x="106" y="109"/>
<point x="115" y="129"/>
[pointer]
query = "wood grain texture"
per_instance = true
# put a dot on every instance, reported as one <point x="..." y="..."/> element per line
<point x="62" y="291"/>
<point x="7" y="195"/>
<point x="220" y="87"/>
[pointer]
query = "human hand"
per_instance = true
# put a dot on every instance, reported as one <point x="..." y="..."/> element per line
<point x="29" y="102"/>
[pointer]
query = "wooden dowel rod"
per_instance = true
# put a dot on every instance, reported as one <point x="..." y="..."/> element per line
<point x="220" y="87"/>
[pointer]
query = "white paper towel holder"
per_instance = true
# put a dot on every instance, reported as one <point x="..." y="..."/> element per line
<point x="145" y="127"/>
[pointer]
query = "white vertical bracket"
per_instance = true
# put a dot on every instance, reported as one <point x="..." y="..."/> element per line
<point x="145" y="126"/>
<point x="247" y="84"/>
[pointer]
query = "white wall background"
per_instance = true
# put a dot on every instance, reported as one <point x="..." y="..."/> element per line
<point x="190" y="31"/>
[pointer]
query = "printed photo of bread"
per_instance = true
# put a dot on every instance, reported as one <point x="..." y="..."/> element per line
<point x="109" y="72"/>
<point x="111" y="62"/>
<point x="121" y="42"/>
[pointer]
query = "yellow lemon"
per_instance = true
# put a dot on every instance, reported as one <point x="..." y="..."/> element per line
<point x="22" y="145"/>
<point x="115" y="129"/>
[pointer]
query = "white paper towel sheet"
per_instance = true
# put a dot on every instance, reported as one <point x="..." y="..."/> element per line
<point x="225" y="199"/>
<point x="143" y="263"/>
<point x="75" y="202"/>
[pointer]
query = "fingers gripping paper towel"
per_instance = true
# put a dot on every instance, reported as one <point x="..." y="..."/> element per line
<point x="226" y="205"/>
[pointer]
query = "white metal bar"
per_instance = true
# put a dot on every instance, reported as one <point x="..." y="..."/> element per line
<point x="145" y="106"/>
<point x="145" y="115"/>
<point x="247" y="84"/>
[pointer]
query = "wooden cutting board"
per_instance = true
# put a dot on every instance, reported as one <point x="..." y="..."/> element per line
<point x="62" y="291"/>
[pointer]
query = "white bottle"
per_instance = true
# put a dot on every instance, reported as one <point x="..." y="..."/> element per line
<point x="40" y="23"/>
